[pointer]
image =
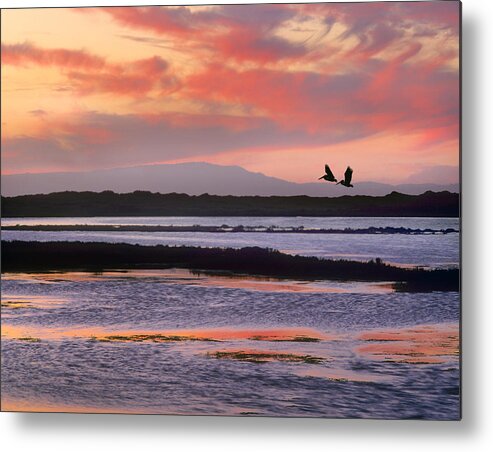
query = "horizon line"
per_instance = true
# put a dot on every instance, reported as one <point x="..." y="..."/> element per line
<point x="143" y="165"/>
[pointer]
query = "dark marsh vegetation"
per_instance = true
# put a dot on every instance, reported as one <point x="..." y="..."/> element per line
<point x="97" y="256"/>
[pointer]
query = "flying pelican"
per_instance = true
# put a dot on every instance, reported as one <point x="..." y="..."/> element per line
<point x="347" y="178"/>
<point x="328" y="176"/>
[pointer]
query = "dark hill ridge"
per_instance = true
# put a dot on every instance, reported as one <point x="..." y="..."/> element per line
<point x="142" y="203"/>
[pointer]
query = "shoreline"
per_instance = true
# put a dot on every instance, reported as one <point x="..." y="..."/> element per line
<point x="228" y="229"/>
<point x="18" y="256"/>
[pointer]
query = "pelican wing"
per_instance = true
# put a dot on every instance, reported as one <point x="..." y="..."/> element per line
<point x="329" y="172"/>
<point x="348" y="175"/>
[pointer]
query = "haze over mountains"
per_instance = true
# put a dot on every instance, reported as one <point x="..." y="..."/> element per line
<point x="194" y="179"/>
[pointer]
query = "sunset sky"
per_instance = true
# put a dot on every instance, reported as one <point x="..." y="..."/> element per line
<point x="276" y="89"/>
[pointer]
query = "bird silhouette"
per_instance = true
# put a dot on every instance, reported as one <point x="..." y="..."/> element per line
<point x="328" y="176"/>
<point x="347" y="178"/>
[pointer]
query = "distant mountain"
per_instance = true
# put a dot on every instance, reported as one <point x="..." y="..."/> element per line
<point x="195" y="179"/>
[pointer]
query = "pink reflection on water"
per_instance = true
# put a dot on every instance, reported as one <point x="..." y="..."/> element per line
<point x="42" y="406"/>
<point x="11" y="301"/>
<point x="423" y="344"/>
<point x="217" y="334"/>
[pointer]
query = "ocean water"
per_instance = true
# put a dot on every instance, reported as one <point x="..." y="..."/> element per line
<point x="175" y="342"/>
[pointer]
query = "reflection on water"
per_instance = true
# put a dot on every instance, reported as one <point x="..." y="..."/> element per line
<point x="47" y="406"/>
<point x="423" y="344"/>
<point x="216" y="335"/>
<point x="205" y="279"/>
<point x="30" y="301"/>
<point x="174" y="342"/>
<point x="223" y="334"/>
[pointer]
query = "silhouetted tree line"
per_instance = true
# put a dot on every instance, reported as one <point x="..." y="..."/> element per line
<point x="142" y="203"/>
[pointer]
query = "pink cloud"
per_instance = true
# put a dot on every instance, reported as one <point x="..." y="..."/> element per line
<point x="378" y="25"/>
<point x="28" y="54"/>
<point x="134" y="79"/>
<point x="250" y="45"/>
<point x="175" y="21"/>
<point x="438" y="134"/>
<point x="247" y="33"/>
<point x="231" y="31"/>
<point x="393" y="95"/>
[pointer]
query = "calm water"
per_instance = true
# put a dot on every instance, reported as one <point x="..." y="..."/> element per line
<point x="261" y="346"/>
<point x="311" y="222"/>
<point x="436" y="250"/>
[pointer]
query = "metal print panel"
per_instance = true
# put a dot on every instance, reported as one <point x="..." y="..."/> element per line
<point x="247" y="210"/>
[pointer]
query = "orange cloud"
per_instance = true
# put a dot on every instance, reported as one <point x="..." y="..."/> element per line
<point x="89" y="73"/>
